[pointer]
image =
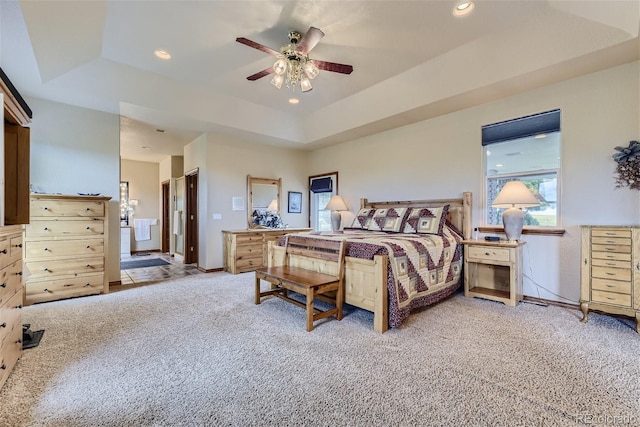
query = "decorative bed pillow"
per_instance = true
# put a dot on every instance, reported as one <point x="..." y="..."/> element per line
<point x="388" y="219"/>
<point x="426" y="220"/>
<point x="363" y="218"/>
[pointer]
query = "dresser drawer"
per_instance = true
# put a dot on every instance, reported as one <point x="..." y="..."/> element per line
<point x="43" y="249"/>
<point x="40" y="269"/>
<point x="618" y="241"/>
<point x="61" y="228"/>
<point x="611" y="256"/>
<point x="611" y="263"/>
<point x="619" y="249"/>
<point x="622" y="300"/>
<point x="488" y="253"/>
<point x="10" y="314"/>
<point x="611" y="273"/>
<point x="248" y="251"/>
<point x="10" y="281"/>
<point x="610" y="232"/>
<point x="248" y="263"/>
<point x="11" y="350"/>
<point x="48" y="290"/>
<point x="66" y="208"/>
<point x="248" y="239"/>
<point x="611" y="286"/>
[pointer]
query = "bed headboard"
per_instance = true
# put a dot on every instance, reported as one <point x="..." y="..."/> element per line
<point x="459" y="209"/>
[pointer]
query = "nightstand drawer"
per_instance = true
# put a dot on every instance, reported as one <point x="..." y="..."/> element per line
<point x="488" y="253"/>
<point x="623" y="300"/>
<point x="611" y="286"/>
<point x="611" y="273"/>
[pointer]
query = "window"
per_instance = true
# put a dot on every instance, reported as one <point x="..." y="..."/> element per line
<point x="321" y="188"/>
<point x="525" y="149"/>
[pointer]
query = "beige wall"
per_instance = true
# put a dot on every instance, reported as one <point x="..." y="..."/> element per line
<point x="77" y="150"/>
<point x="442" y="157"/>
<point x="224" y="164"/>
<point x="144" y="186"/>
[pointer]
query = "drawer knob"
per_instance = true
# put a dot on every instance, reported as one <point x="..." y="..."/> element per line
<point x="46" y="269"/>
<point x="46" y="229"/>
<point x="3" y="366"/>
<point x="19" y="306"/>
<point x="45" y="208"/>
<point x="487" y="253"/>
<point x="19" y="273"/>
<point x="610" y="274"/>
<point x="88" y="228"/>
<point x="46" y="249"/>
<point x="88" y="209"/>
<point x="4" y="251"/>
<point x="3" y="325"/>
<point x="88" y="247"/>
<point x="4" y="285"/>
<point x="88" y="284"/>
<point x="19" y="245"/>
<point x="45" y="290"/>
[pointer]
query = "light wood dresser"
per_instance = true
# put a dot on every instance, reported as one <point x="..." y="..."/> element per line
<point x="246" y="250"/>
<point x="10" y="299"/>
<point x="65" y="247"/>
<point x="610" y="272"/>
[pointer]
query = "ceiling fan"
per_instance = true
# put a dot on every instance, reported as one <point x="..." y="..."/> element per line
<point x="293" y="66"/>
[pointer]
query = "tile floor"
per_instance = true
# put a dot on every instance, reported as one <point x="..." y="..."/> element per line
<point x="174" y="269"/>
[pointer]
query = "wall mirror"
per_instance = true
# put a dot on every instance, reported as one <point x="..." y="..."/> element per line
<point x="261" y="192"/>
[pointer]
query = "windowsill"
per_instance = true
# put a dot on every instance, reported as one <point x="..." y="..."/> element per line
<point x="537" y="231"/>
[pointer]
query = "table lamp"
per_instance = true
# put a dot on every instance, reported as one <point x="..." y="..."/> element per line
<point x="335" y="205"/>
<point x="513" y="196"/>
<point x="273" y="206"/>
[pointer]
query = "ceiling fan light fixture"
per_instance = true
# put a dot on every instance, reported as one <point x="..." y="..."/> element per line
<point x="280" y="66"/>
<point x="311" y="70"/>
<point x="305" y="84"/>
<point x="277" y="80"/>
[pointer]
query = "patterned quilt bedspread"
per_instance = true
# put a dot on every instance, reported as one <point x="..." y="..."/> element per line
<point x="423" y="268"/>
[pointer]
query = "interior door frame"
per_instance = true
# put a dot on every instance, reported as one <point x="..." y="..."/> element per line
<point x="166" y="216"/>
<point x="191" y="243"/>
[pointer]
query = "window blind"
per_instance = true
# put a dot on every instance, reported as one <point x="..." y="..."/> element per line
<point x="522" y="127"/>
<point x="322" y="185"/>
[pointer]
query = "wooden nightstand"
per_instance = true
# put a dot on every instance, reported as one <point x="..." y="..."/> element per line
<point x="493" y="270"/>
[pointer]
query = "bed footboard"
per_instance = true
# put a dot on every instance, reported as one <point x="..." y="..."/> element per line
<point x="365" y="282"/>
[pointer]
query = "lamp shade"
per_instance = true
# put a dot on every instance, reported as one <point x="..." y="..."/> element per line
<point x="515" y="194"/>
<point x="273" y="206"/>
<point x="336" y="203"/>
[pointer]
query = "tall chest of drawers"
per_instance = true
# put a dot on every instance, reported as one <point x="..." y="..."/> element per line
<point x="66" y="247"/>
<point x="610" y="272"/>
<point x="10" y="299"/>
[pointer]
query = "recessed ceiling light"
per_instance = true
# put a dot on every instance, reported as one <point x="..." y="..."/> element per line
<point x="499" y="165"/>
<point x="540" y="136"/>
<point x="463" y="8"/>
<point x="294" y="101"/>
<point x="162" y="54"/>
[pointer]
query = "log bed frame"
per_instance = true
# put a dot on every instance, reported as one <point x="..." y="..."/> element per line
<point x="366" y="280"/>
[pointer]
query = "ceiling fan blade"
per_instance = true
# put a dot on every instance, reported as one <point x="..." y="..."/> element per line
<point x="310" y="40"/>
<point x="258" y="46"/>
<point x="260" y="74"/>
<point x="332" y="66"/>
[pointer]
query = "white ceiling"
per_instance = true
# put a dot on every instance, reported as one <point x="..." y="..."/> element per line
<point x="412" y="60"/>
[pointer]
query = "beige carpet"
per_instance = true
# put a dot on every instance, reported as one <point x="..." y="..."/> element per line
<point x="198" y="352"/>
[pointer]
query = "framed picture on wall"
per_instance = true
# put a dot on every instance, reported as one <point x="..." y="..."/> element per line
<point x="295" y="202"/>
